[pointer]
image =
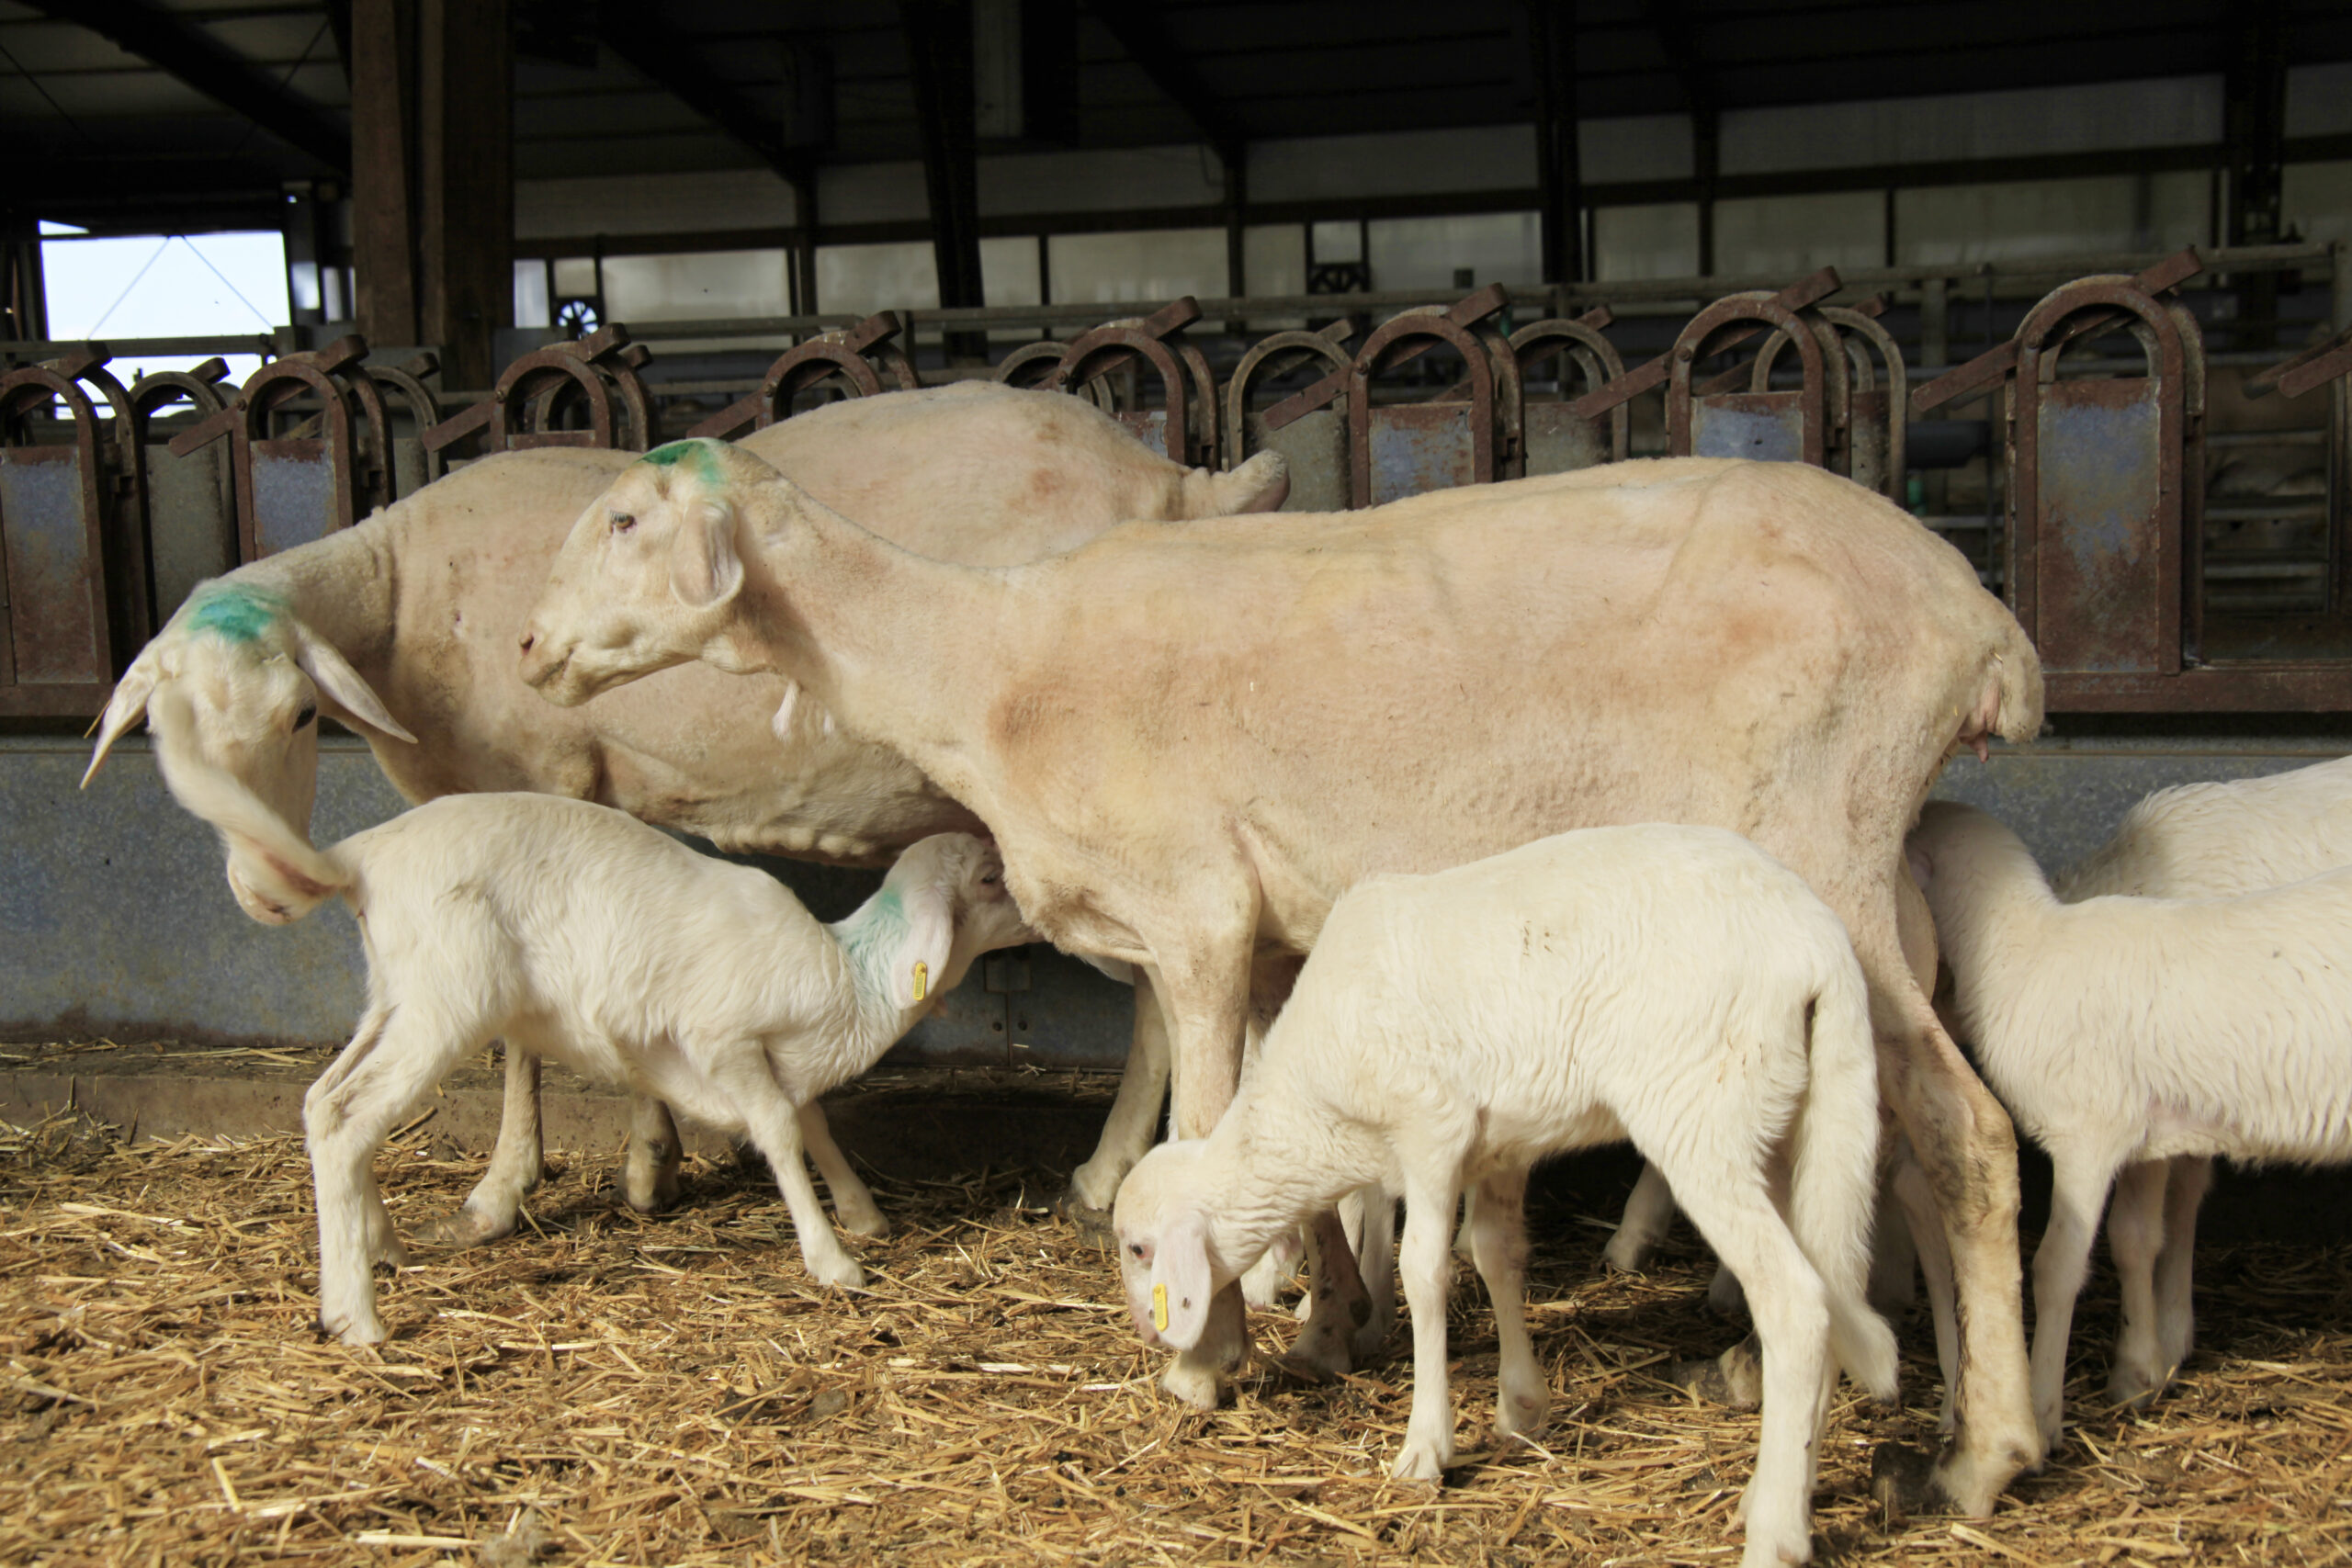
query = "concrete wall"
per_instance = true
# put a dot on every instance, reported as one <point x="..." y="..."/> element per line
<point x="115" y="920"/>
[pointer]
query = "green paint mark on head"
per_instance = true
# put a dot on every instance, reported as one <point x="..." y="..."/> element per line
<point x="871" y="938"/>
<point x="704" y="457"/>
<point x="238" y="612"/>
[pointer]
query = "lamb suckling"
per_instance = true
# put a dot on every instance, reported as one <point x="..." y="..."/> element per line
<point x="592" y="940"/>
<point x="1673" y="985"/>
<point x="2124" y="1033"/>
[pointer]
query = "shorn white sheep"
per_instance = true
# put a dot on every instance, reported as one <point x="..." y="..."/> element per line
<point x="590" y="939"/>
<point x="2127" y="1034"/>
<point x="1672" y="984"/>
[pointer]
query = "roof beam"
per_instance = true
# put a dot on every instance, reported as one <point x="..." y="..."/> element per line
<point x="634" y="30"/>
<point x="183" y="49"/>
<point x="1137" y="25"/>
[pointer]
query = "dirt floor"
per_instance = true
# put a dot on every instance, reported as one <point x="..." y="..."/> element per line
<point x="606" y="1388"/>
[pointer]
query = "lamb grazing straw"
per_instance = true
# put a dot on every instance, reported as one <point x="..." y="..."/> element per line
<point x="2128" y="1033"/>
<point x="1674" y="985"/>
<point x="591" y="938"/>
<point x="1188" y="742"/>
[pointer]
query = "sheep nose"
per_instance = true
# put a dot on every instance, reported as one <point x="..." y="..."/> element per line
<point x="528" y="638"/>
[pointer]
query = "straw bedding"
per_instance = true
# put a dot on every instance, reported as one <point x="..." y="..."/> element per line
<point x="606" y="1388"/>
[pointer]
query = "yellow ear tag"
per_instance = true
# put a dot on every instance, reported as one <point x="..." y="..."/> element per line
<point x="922" y="978"/>
<point x="1159" y="1308"/>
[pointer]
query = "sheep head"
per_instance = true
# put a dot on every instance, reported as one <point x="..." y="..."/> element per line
<point x="650" y="575"/>
<point x="233" y="687"/>
<point x="1168" y="1262"/>
<point x="942" y="906"/>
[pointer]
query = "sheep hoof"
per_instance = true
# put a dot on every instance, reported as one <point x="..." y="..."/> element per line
<point x="2133" y="1390"/>
<point x="465" y="1227"/>
<point x="1196" y="1386"/>
<point x="867" y="1224"/>
<point x="841" y="1272"/>
<point x="1734" y="1380"/>
<point x="1625" y="1257"/>
<point x="363" y="1329"/>
<point x="1093" y="1224"/>
<point x="1904" y="1481"/>
<point x="1421" y="1462"/>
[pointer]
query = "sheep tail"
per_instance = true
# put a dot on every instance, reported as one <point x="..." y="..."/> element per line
<point x="1834" y="1185"/>
<point x="282" y="869"/>
<point x="2008" y="701"/>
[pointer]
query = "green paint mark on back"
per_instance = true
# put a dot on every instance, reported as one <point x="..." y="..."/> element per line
<point x="239" y="612"/>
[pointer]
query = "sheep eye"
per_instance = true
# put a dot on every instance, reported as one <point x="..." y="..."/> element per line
<point x="989" y="880"/>
<point x="310" y="711"/>
<point x="623" y="521"/>
<point x="1136" y="1248"/>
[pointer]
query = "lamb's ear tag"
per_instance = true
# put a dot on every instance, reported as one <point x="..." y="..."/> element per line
<point x="922" y="978"/>
<point x="1159" y="1308"/>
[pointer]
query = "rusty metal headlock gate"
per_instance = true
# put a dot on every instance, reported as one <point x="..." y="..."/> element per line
<point x="844" y="358"/>
<point x="596" y="378"/>
<point x="1554" y="438"/>
<point x="1183" y="428"/>
<point x="2328" y="364"/>
<point x="1400" y="449"/>
<point x="321" y="475"/>
<point x="76" y="598"/>
<point x="191" y="504"/>
<point x="1313" y="441"/>
<point x="2103" y="557"/>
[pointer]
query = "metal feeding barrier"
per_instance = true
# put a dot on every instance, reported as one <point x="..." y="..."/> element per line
<point x="75" y="596"/>
<point x="845" y="359"/>
<point x="2098" y="487"/>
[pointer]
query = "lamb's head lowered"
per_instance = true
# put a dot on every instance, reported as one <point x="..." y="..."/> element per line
<point x="650" y="575"/>
<point x="235" y="685"/>
<point x="943" y="904"/>
<point x="1168" y="1261"/>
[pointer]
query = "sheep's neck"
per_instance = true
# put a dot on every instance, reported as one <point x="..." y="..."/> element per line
<point x="871" y="941"/>
<point x="2009" y="910"/>
<point x="881" y="636"/>
<point x="1269" y="1168"/>
<point x="345" y="587"/>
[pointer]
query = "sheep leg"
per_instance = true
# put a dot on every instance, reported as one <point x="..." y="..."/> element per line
<point x="773" y="1123"/>
<point x="853" y="1203"/>
<point x="398" y="1053"/>
<point x="1791" y="1306"/>
<point x="1325" y="1344"/>
<point x="1926" y="1229"/>
<point x="1135" y="1114"/>
<point x="2135" y="1235"/>
<point x="1425" y="1264"/>
<point x="1894" y="1257"/>
<point x="649" y="1171"/>
<point x="1648" y="1212"/>
<point x="1206" y="998"/>
<point x="2185" y="1189"/>
<point x="1376" y="1263"/>
<point x="1499" y="1246"/>
<point x="2077" y="1194"/>
<point x="1967" y="1151"/>
<point x="516" y="1163"/>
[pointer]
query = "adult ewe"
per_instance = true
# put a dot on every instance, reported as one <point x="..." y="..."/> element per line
<point x="404" y="625"/>
<point x="1188" y="742"/>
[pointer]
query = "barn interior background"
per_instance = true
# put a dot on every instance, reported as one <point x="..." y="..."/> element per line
<point x="2071" y="283"/>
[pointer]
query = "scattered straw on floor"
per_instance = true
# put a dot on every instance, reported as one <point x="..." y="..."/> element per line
<point x="603" y="1388"/>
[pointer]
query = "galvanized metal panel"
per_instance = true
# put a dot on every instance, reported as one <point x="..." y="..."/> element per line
<point x="192" y="522"/>
<point x="1559" y="441"/>
<point x="1419" y="447"/>
<point x="1316" y="446"/>
<point x="2097" y="559"/>
<point x="54" y="629"/>
<point x="1766" y="427"/>
<point x="293" y="494"/>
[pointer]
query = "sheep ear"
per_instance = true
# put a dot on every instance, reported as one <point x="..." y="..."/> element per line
<point x="705" y="571"/>
<point x="920" y="972"/>
<point x="125" y="708"/>
<point x="345" y="686"/>
<point x="1180" y="1284"/>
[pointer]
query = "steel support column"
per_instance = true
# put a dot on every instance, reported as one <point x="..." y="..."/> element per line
<point x="1551" y="35"/>
<point x="939" y="49"/>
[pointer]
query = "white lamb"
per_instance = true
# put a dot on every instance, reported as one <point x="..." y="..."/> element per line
<point x="588" y="938"/>
<point x="1673" y="985"/>
<point x="2133" y="1035"/>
